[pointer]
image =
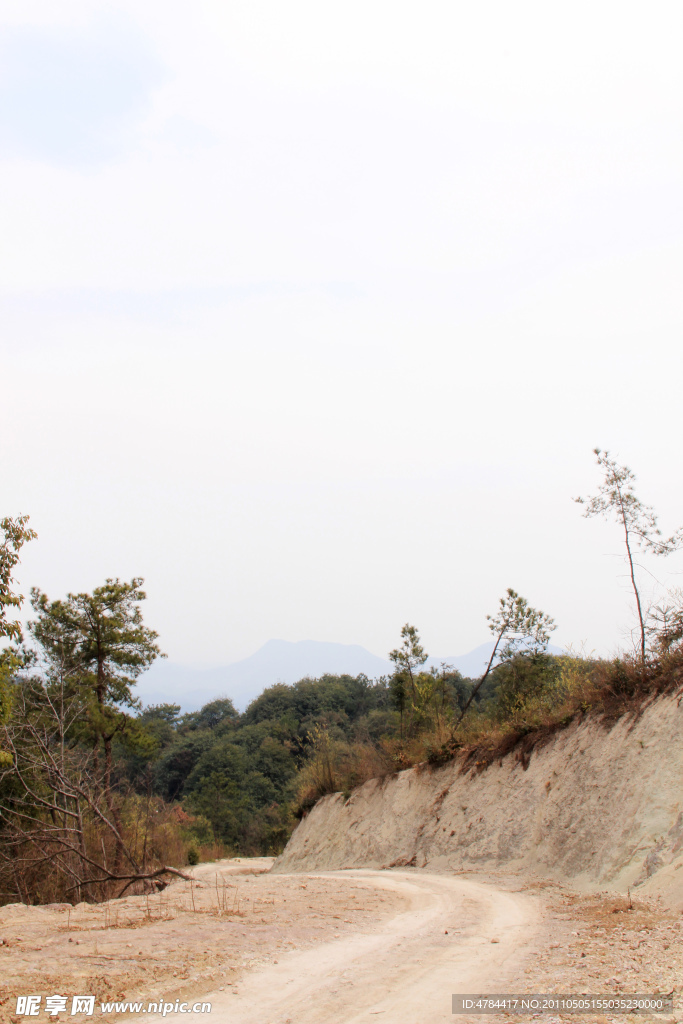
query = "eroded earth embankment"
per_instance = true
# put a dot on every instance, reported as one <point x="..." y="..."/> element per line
<point x="597" y="805"/>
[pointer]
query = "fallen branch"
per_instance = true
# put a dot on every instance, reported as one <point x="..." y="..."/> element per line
<point x="138" y="877"/>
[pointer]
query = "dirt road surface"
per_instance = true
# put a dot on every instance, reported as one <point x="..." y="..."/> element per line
<point x="455" y="935"/>
<point x="458" y="935"/>
<point x="343" y="947"/>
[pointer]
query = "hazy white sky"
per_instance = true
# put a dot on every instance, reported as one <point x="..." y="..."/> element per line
<point x="312" y="313"/>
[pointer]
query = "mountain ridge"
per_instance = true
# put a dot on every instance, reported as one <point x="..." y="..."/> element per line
<point x="280" y="661"/>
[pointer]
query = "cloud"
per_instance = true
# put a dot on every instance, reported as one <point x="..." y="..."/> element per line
<point x="73" y="96"/>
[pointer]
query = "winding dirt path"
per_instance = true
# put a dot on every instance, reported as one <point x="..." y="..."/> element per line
<point x="342" y="947"/>
<point x="457" y="936"/>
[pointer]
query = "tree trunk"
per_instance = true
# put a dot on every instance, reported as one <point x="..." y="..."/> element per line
<point x="481" y="681"/>
<point x="632" y="572"/>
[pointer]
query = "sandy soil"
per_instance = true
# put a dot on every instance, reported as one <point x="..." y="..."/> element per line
<point x="453" y="934"/>
<point x="192" y="938"/>
<point x="341" y="947"/>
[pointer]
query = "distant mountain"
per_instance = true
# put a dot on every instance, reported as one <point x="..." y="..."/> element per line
<point x="279" y="661"/>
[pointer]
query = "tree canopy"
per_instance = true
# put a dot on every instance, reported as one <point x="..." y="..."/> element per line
<point x="15" y="533"/>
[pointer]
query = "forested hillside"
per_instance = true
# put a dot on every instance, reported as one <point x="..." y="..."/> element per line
<point x="243" y="778"/>
<point x="99" y="794"/>
<point x="81" y="819"/>
<point x="100" y="798"/>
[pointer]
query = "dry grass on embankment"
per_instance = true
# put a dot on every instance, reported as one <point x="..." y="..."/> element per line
<point x="605" y="691"/>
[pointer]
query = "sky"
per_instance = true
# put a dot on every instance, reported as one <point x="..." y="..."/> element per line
<point x="311" y="314"/>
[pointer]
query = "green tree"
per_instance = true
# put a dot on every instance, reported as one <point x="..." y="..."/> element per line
<point x="522" y="679"/>
<point x="98" y="645"/>
<point x="177" y="763"/>
<point x="410" y="655"/>
<point x="616" y="499"/>
<point x="15" y="534"/>
<point x="516" y="628"/>
<point x="399" y="696"/>
<point x="161" y="721"/>
<point x="665" y="624"/>
<point x="216" y="712"/>
<point x="5" y="703"/>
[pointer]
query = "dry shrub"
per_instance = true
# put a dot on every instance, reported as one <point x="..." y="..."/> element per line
<point x="209" y="852"/>
<point x="573" y="687"/>
<point x="337" y="766"/>
<point x="606" y="689"/>
<point x="193" y="835"/>
<point x="154" y="832"/>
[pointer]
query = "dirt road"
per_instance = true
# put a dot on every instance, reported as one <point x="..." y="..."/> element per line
<point x="456" y="936"/>
<point x="343" y="947"/>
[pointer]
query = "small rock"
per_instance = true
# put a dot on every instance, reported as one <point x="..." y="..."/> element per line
<point x="495" y="940"/>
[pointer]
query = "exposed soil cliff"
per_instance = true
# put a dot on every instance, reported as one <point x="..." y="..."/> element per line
<point x="600" y="805"/>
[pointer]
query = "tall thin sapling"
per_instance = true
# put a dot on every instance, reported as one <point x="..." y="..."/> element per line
<point x="411" y="654"/>
<point x="617" y="499"/>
